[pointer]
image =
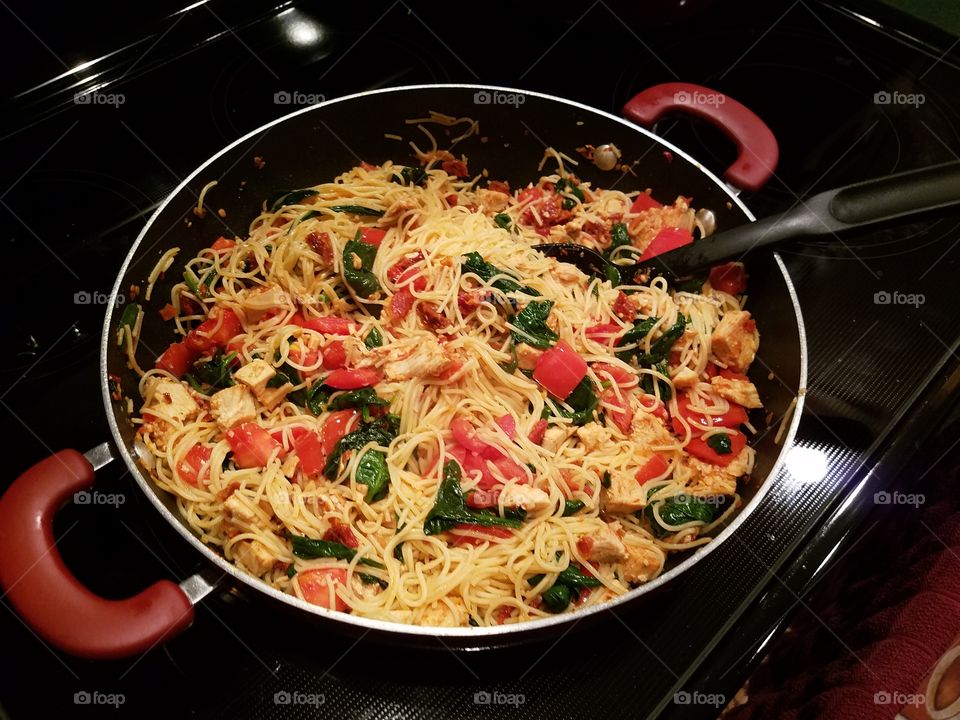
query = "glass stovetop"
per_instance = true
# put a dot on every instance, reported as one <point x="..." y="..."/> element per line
<point x="80" y="178"/>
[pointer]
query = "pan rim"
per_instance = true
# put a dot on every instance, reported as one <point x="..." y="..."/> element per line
<point x="476" y="634"/>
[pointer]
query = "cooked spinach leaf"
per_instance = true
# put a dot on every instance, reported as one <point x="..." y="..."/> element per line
<point x="212" y="374"/>
<point x="679" y="510"/>
<point x="411" y="176"/>
<point x="475" y="263"/>
<point x="358" y="399"/>
<point x="634" y="336"/>
<point x="572" y="507"/>
<point x="502" y="220"/>
<point x="381" y="431"/>
<point x="660" y="348"/>
<point x="569" y="188"/>
<point x="288" y="197"/>
<point x="450" y="508"/>
<point x="362" y="279"/>
<point x="357" y="210"/>
<point x="373" y="339"/>
<point x="720" y="443"/>
<point x="530" y="325"/>
<point x="584" y="402"/>
<point x="129" y="317"/>
<point x="557" y="598"/>
<point x="373" y="472"/>
<point x="308" y="548"/>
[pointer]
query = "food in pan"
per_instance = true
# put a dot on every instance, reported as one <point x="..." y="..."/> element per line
<point x="384" y="401"/>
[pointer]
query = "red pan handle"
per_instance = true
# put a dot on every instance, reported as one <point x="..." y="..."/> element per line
<point x="47" y="595"/>
<point x="756" y="145"/>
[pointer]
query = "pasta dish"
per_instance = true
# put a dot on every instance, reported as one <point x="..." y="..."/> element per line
<point x="384" y="401"/>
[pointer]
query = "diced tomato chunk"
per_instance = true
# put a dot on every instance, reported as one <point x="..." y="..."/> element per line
<point x="353" y="379"/>
<point x="176" y="359"/>
<point x="732" y="418"/>
<point x="508" y="425"/>
<point x="623" y="416"/>
<point x="560" y="369"/>
<point x="644" y="201"/>
<point x="654" y="467"/>
<point x="325" y="325"/>
<point x="466" y="435"/>
<point x="310" y="449"/>
<point x="222" y="243"/>
<point x="492" y="532"/>
<point x="537" y="432"/>
<point x="319" y="586"/>
<point x="252" y="446"/>
<point x="620" y="375"/>
<point x="397" y="269"/>
<point x="666" y="240"/>
<point x="457" y="168"/>
<point x="168" y="312"/>
<point x="604" y="333"/>
<point x="337" y="424"/>
<point x="215" y="332"/>
<point x="623" y="308"/>
<point x="700" y="448"/>
<point x="401" y="303"/>
<point x="372" y="236"/>
<point x="341" y="533"/>
<point x="193" y="469"/>
<point x="413" y="278"/>
<point x="729" y="278"/>
<point x="334" y="355"/>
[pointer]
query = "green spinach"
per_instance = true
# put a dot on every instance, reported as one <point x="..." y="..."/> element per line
<point x="530" y="325"/>
<point x="308" y="548"/>
<point x="362" y="279"/>
<point x="450" y="508"/>
<point x="475" y="263"/>
<point x="288" y="197"/>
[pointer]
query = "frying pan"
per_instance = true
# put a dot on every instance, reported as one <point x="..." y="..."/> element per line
<point x="313" y="145"/>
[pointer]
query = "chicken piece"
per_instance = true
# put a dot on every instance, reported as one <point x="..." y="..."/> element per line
<point x="289" y="466"/>
<point x="593" y="435"/>
<point x="233" y="406"/>
<point x="735" y="340"/>
<point x="527" y="356"/>
<point x="365" y="591"/>
<point x="643" y="562"/>
<point x="708" y="479"/>
<point x="426" y="359"/>
<point x="649" y="431"/>
<point x="440" y="614"/>
<point x="171" y="399"/>
<point x="553" y="438"/>
<point x="625" y="494"/>
<point x="492" y="201"/>
<point x="742" y="392"/>
<point x="358" y="355"/>
<point x="257" y="302"/>
<point x="604" y="545"/>
<point x="255" y="375"/>
<point x="685" y="378"/>
<point x="272" y="396"/>
<point x="533" y="500"/>
<point x="253" y="557"/>
<point x="648" y="223"/>
<point x="236" y="509"/>
<point x="567" y="273"/>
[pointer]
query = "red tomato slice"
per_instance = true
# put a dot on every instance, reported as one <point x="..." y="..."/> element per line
<point x="537" y="432"/>
<point x="325" y="325"/>
<point x="342" y="533"/>
<point x="252" y="445"/>
<point x="216" y="331"/>
<point x="699" y="448"/>
<point x="604" y="333"/>
<point x="734" y="417"/>
<point x="666" y="240"/>
<point x="401" y="302"/>
<point x="337" y="425"/>
<point x="643" y="202"/>
<point x="190" y="467"/>
<point x="621" y="376"/>
<point x="308" y="358"/>
<point x="398" y="268"/>
<point x="654" y="467"/>
<point x="508" y="425"/>
<point x="651" y="404"/>
<point x="319" y="587"/>
<point x="176" y="359"/>
<point x="466" y="436"/>
<point x="372" y="236"/>
<point x="334" y="355"/>
<point x="353" y="379"/>
<point x="529" y="194"/>
<point x="559" y="370"/>
<point x="729" y="278"/>
<point x="222" y="243"/>
<point x="623" y="416"/>
<point x="310" y="449"/>
<point x="491" y="532"/>
<point x="414" y="278"/>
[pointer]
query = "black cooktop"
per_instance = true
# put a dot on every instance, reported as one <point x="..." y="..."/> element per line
<point x="847" y="100"/>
